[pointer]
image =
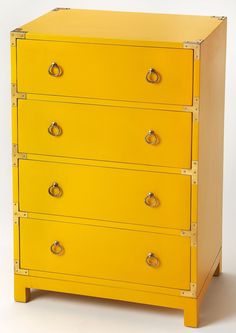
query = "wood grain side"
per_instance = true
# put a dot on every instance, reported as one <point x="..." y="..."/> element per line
<point x="211" y="130"/>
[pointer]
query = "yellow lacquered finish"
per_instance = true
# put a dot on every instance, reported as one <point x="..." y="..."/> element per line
<point x="124" y="134"/>
<point x="117" y="181"/>
<point x="120" y="27"/>
<point x="106" y="71"/>
<point x="99" y="253"/>
<point x="105" y="193"/>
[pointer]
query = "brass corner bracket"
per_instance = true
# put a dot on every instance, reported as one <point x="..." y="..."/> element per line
<point x="220" y="18"/>
<point x="195" y="45"/>
<point x="17" y="214"/>
<point x="15" y="95"/>
<point x="191" y="233"/>
<point x="190" y="293"/>
<point x="194" y="108"/>
<point x="18" y="33"/>
<point x="16" y="155"/>
<point x="19" y="270"/>
<point x="192" y="172"/>
<point x="60" y="8"/>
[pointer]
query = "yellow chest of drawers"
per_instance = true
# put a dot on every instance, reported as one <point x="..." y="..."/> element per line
<point x="117" y="155"/>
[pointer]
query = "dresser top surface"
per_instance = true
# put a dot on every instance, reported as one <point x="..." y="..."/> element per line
<point x="120" y="27"/>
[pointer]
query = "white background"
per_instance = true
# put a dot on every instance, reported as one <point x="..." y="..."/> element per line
<point x="51" y="312"/>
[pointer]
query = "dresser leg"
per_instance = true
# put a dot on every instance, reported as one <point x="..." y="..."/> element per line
<point x="191" y="313"/>
<point x="21" y="293"/>
<point x="218" y="268"/>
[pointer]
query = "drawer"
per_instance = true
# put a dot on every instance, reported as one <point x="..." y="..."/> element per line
<point x="144" y="258"/>
<point x="105" y="133"/>
<point x="105" y="193"/>
<point x="105" y="71"/>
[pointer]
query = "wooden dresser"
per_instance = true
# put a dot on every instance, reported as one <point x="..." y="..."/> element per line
<point x="117" y="155"/>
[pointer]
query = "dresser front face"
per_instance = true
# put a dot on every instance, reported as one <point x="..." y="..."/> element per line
<point x="123" y="168"/>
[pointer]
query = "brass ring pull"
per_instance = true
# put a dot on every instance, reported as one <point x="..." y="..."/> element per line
<point x="57" y="249"/>
<point x="153" y="76"/>
<point x="54" y="129"/>
<point x="151" y="200"/>
<point x="55" y="70"/>
<point x="151" y="138"/>
<point x="55" y="190"/>
<point x="152" y="260"/>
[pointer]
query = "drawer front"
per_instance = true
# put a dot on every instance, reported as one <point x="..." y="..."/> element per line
<point x="105" y="193"/>
<point x="145" y="258"/>
<point x="105" y="71"/>
<point x="105" y="133"/>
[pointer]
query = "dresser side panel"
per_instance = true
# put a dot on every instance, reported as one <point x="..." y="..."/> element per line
<point x="211" y="130"/>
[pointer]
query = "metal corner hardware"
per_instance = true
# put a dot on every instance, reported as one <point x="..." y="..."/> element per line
<point x="17" y="214"/>
<point x="220" y="18"/>
<point x="190" y="293"/>
<point x="18" y="33"/>
<point x="194" y="108"/>
<point x="195" y="45"/>
<point x="59" y="8"/>
<point x="191" y="233"/>
<point x="193" y="42"/>
<point x="192" y="172"/>
<point x="16" y="95"/>
<point x="19" y="270"/>
<point x="16" y="155"/>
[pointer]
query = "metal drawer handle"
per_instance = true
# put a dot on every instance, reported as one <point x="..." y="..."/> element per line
<point x="151" y="200"/>
<point x="57" y="249"/>
<point x="55" y="70"/>
<point x="153" y="76"/>
<point x="151" y="138"/>
<point x="55" y="190"/>
<point x="54" y="129"/>
<point x="152" y="260"/>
